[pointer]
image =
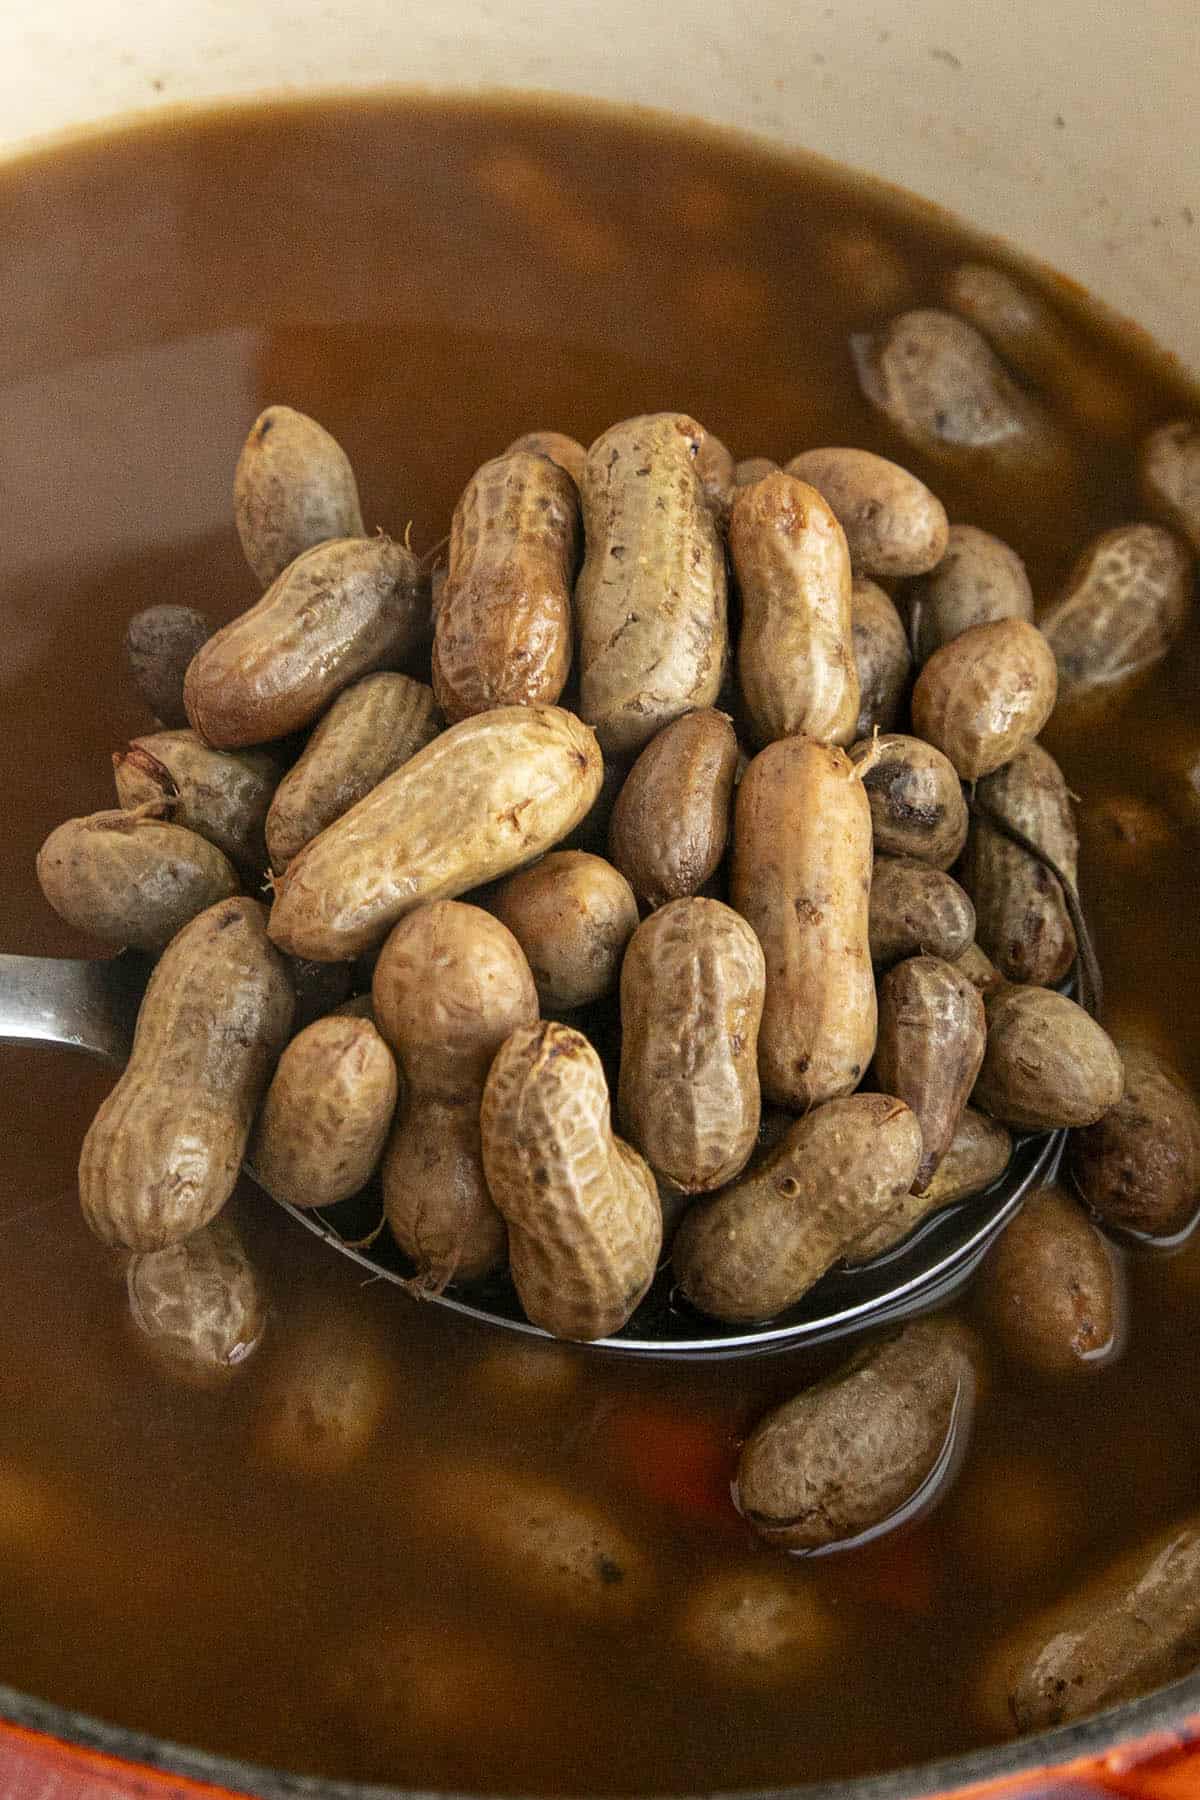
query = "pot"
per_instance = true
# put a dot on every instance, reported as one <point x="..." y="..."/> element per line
<point x="1059" y="128"/>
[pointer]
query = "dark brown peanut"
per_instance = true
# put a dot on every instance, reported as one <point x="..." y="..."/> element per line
<point x="980" y="970"/>
<point x="978" y="1155"/>
<point x="567" y="452"/>
<point x="691" y="1003"/>
<point x="979" y="579"/>
<point x="671" y="819"/>
<point x="222" y="794"/>
<point x="572" y="915"/>
<point x="1050" y="1291"/>
<point x="916" y="799"/>
<point x="1047" y="1063"/>
<point x="848" y="1454"/>
<point x="503" y="630"/>
<point x="757" y="1248"/>
<point x="1022" y="918"/>
<point x="197" y="1305"/>
<point x="159" y="644"/>
<point x="327" y="1113"/>
<point x="1139" y="1168"/>
<point x="985" y="695"/>
<point x="931" y="1039"/>
<point x="131" y="877"/>
<point x="293" y="488"/>
<point x="1169" y="467"/>
<point x="1126" y="601"/>
<point x="881" y="656"/>
<point x="917" y="911"/>
<point x="894" y="526"/>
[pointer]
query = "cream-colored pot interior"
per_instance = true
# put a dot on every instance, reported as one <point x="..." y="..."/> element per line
<point x="1067" y="126"/>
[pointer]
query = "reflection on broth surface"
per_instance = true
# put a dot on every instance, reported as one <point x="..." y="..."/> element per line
<point x="388" y="1545"/>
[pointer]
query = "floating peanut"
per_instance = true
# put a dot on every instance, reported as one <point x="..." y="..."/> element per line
<point x="1126" y="601"/>
<point x="1050" y="1290"/>
<point x="197" y="1305"/>
<point x="1139" y="1167"/>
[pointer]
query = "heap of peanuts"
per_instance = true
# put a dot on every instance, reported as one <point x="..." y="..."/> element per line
<point x="818" y="1034"/>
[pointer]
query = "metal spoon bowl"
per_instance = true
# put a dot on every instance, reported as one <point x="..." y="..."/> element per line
<point x="92" y="1006"/>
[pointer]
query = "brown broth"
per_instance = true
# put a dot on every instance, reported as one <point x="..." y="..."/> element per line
<point x="430" y="280"/>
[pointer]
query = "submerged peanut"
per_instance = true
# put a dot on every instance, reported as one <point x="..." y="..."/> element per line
<point x="881" y="657"/>
<point x="670" y="822"/>
<point x="572" y="914"/>
<point x="222" y="794"/>
<point x="566" y="451"/>
<point x="978" y="1155"/>
<point x="327" y="1113"/>
<point x="796" y="668"/>
<point x="370" y="730"/>
<point x="197" y="1305"/>
<point x="293" y="488"/>
<point x="584" y="1222"/>
<point x="163" y="1153"/>
<point x="1047" y="1063"/>
<point x="985" y="695"/>
<point x="1022" y="919"/>
<point x="337" y="612"/>
<point x="894" y="526"/>
<point x="1139" y="1168"/>
<point x="916" y="799"/>
<point x="131" y="877"/>
<point x="917" y="911"/>
<point x="759" y="1626"/>
<point x="1126" y="601"/>
<point x="1050" y="1290"/>
<point x="1169" y="467"/>
<point x="691" y="1000"/>
<point x="757" y="1248"/>
<point x="650" y="600"/>
<point x="159" y="644"/>
<point x="503" y="631"/>
<point x="979" y="579"/>
<point x="931" y="1041"/>
<point x="482" y="799"/>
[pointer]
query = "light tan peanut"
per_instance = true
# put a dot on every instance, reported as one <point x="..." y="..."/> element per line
<point x="757" y="1248"/>
<point x="650" y="600"/>
<point x="979" y="579"/>
<point x="1047" y="1063"/>
<point x="759" y="1627"/>
<point x="163" y="1153"/>
<point x="482" y="799"/>
<point x="131" y="877"/>
<point x="979" y="969"/>
<point x="916" y="799"/>
<point x="503" y="630"/>
<point x="985" y="695"/>
<point x="567" y="452"/>
<point x="670" y="823"/>
<point x="894" y="526"/>
<point x="1139" y="1167"/>
<point x="917" y="911"/>
<point x="863" y="1445"/>
<point x="337" y="612"/>
<point x="931" y="1039"/>
<point x="1133" y="1626"/>
<point x="881" y="657"/>
<point x="222" y="794"/>
<point x="714" y="466"/>
<point x="572" y="915"/>
<point x="1126" y="601"/>
<point x="978" y="1155"/>
<point x="938" y="382"/>
<point x="294" y="488"/>
<point x="451" y="986"/>
<point x="752" y="469"/>
<point x="796" y="668"/>
<point x="584" y="1222"/>
<point x="159" y="644"/>
<point x="324" y="1397"/>
<point x="327" y="1113"/>
<point x="691" y="1001"/>
<point x="1169" y="468"/>
<point x="371" y="729"/>
<point x="1050" y="1291"/>
<point x="197" y="1305"/>
<point x="802" y="880"/>
<point x="1022" y="918"/>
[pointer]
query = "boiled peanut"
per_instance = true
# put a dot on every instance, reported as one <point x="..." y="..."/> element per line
<point x="978" y="1155"/>
<point x="759" y="1627"/>
<point x="979" y="579"/>
<point x="294" y="488"/>
<point x="916" y="800"/>
<point x="482" y="799"/>
<point x="451" y="986"/>
<point x="917" y="910"/>
<point x="1050" y="1291"/>
<point x="572" y="915"/>
<point x="325" y="1396"/>
<point x="438" y="1684"/>
<point x="714" y="466"/>
<point x="863" y="1445"/>
<point x="584" y="1223"/>
<point x="162" y="1155"/>
<point x="1126" y="601"/>
<point x="931" y="1041"/>
<point x="881" y="656"/>
<point x="1169" y="467"/>
<point x="1022" y="919"/>
<point x="371" y="729"/>
<point x="1134" y="1626"/>
<point x="337" y="612"/>
<point x="894" y="526"/>
<point x="131" y="877"/>
<point x="795" y="660"/>
<point x="985" y="695"/>
<point x="197" y="1304"/>
<point x="222" y="794"/>
<point x="327" y="1113"/>
<point x="1139" y="1167"/>
<point x="503" y="630"/>
<point x="671" y="819"/>
<point x="1047" y="1063"/>
<point x="650" y="600"/>
<point x="159" y="644"/>
<point x="979" y="969"/>
<point x="567" y="452"/>
<point x="939" y="384"/>
<point x="752" y="469"/>
<point x="757" y="1248"/>
<point x="691" y="1002"/>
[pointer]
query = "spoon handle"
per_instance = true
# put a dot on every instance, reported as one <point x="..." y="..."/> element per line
<point x="88" y="1005"/>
